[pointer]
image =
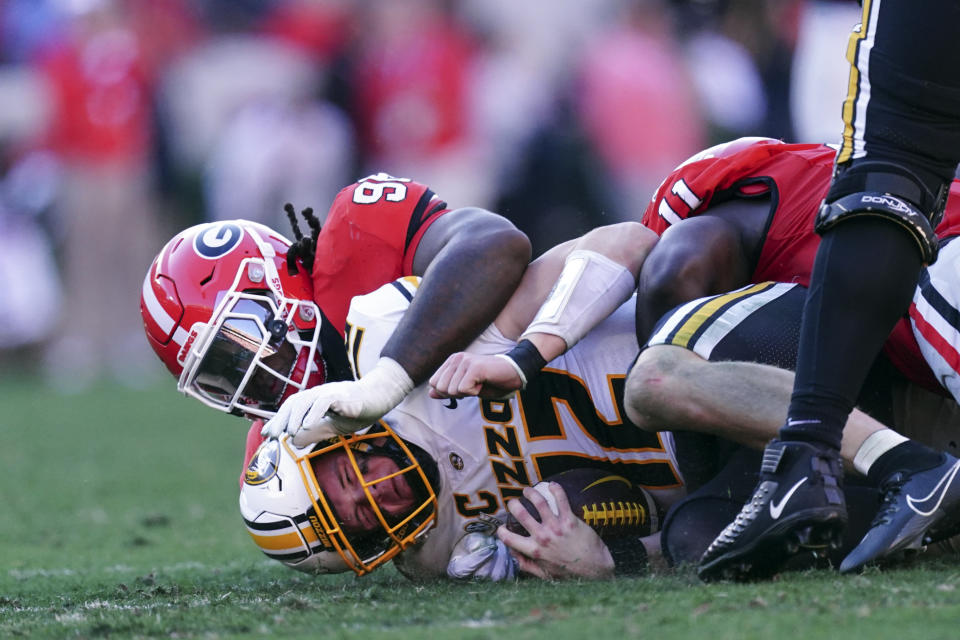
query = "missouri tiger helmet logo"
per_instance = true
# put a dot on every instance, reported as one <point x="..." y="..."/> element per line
<point x="263" y="466"/>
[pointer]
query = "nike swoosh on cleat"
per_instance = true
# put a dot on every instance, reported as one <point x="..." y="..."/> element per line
<point x="777" y="509"/>
<point x="926" y="506"/>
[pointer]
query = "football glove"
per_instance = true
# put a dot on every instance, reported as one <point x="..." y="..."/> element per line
<point x="481" y="556"/>
<point x="341" y="408"/>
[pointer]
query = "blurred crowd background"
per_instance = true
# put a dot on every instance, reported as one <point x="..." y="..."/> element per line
<point x="123" y="121"/>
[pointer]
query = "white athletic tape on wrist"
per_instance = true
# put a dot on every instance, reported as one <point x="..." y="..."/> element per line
<point x="876" y="444"/>
<point x="591" y="286"/>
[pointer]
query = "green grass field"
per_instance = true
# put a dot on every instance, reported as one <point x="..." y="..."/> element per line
<point x="119" y="520"/>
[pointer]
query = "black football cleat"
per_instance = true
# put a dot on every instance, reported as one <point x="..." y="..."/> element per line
<point x="797" y="508"/>
<point x="917" y="508"/>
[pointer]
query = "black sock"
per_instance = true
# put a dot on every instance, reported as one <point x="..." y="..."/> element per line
<point x="906" y="456"/>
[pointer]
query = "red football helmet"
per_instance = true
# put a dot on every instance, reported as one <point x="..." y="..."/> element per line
<point x="227" y="318"/>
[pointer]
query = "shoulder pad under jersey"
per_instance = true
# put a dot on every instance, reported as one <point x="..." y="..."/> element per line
<point x="372" y="319"/>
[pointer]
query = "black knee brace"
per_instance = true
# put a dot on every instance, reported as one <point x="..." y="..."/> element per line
<point x="888" y="191"/>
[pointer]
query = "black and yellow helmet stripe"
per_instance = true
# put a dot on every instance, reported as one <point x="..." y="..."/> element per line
<point x="285" y="539"/>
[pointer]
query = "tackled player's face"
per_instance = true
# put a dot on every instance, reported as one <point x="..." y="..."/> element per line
<point x="344" y="491"/>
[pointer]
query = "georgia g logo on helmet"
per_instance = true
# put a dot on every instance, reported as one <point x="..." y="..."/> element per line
<point x="219" y="239"/>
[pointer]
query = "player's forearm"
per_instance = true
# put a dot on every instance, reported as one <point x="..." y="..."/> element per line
<point x="462" y="291"/>
<point x="594" y="275"/>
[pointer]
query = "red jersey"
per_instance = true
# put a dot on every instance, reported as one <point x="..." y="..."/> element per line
<point x="369" y="238"/>
<point x="796" y="178"/>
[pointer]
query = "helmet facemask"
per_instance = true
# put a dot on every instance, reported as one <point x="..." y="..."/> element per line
<point x="409" y="476"/>
<point x="290" y="495"/>
<point x="258" y="347"/>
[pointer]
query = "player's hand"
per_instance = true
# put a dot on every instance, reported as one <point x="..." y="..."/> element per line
<point x="304" y="415"/>
<point x="561" y="545"/>
<point x="470" y="374"/>
<point x="341" y="408"/>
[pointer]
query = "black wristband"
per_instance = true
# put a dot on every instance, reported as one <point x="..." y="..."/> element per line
<point x="528" y="358"/>
<point x="629" y="555"/>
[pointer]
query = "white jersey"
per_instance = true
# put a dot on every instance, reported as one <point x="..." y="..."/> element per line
<point x="935" y="317"/>
<point x="569" y="416"/>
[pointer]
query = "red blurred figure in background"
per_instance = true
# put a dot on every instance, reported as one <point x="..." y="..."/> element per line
<point x="99" y="79"/>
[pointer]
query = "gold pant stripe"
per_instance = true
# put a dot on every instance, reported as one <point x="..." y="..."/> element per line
<point x="854" y="85"/>
<point x="690" y="326"/>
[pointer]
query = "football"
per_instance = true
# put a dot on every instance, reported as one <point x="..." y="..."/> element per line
<point x="611" y="504"/>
